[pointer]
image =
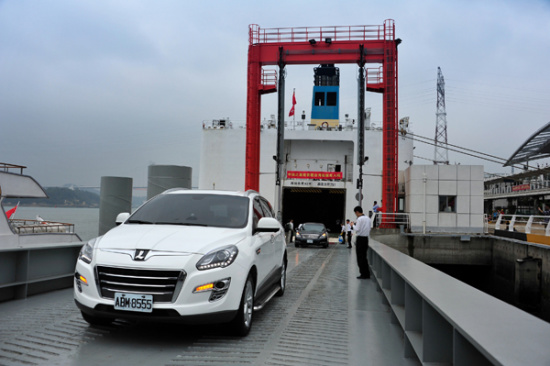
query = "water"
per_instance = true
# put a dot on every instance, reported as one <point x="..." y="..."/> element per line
<point x="85" y="220"/>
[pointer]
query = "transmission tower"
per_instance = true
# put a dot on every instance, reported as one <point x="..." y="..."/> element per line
<point x="441" y="154"/>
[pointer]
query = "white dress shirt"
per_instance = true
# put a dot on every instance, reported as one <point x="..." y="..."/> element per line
<point x="362" y="226"/>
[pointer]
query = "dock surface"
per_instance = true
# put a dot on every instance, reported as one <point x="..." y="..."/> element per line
<point x="326" y="317"/>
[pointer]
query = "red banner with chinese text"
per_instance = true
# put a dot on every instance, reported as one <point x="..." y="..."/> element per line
<point x="313" y="175"/>
<point x="521" y="187"/>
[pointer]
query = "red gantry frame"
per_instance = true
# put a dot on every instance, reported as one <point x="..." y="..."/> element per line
<point x="325" y="45"/>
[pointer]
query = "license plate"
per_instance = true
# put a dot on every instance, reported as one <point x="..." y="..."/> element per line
<point x="134" y="302"/>
<point x="310" y="241"/>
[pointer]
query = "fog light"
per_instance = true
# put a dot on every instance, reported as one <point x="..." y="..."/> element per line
<point x="218" y="289"/>
<point x="80" y="280"/>
<point x="207" y="287"/>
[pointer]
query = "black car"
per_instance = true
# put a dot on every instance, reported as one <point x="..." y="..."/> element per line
<point x="311" y="233"/>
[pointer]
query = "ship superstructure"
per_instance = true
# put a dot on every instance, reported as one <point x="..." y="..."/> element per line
<point x="319" y="166"/>
<point x="326" y="95"/>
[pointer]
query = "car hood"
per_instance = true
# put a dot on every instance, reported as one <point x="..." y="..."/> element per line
<point x="172" y="238"/>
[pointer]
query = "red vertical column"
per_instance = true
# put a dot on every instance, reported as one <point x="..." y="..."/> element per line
<point x="253" y="111"/>
<point x="390" y="153"/>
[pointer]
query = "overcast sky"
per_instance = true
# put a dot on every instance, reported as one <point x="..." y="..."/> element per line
<point x="106" y="88"/>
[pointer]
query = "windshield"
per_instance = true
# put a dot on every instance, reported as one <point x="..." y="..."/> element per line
<point x="313" y="227"/>
<point x="194" y="210"/>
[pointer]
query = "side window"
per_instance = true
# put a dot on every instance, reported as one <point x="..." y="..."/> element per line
<point x="447" y="203"/>
<point x="319" y="98"/>
<point x="332" y="98"/>
<point x="268" y="210"/>
<point x="258" y="212"/>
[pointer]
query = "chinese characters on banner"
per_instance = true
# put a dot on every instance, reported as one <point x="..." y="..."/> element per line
<point x="313" y="175"/>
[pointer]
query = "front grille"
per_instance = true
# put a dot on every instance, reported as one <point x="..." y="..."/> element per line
<point x="163" y="285"/>
<point x="310" y="236"/>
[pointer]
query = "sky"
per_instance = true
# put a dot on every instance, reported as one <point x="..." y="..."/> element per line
<point x="107" y="88"/>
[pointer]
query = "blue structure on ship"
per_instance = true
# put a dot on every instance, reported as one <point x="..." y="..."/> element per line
<point x="326" y="97"/>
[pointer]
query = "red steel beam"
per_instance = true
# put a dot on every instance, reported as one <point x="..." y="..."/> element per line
<point x="343" y="48"/>
<point x="253" y="115"/>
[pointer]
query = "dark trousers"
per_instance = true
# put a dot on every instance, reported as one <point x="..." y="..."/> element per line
<point x="361" y="248"/>
<point x="349" y="238"/>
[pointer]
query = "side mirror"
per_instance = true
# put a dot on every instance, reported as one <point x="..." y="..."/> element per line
<point x="121" y="217"/>
<point x="268" y="225"/>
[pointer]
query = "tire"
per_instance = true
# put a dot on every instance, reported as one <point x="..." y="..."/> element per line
<point x="296" y="245"/>
<point x="242" y="323"/>
<point x="96" y="320"/>
<point x="282" y="281"/>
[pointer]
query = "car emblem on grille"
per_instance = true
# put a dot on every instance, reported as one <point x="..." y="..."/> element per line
<point x="140" y="254"/>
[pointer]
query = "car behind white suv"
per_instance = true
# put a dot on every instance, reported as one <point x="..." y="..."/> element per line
<point x="186" y="255"/>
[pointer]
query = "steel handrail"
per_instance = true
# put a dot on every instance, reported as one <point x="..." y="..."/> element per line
<point x="529" y="220"/>
<point x="335" y="33"/>
<point x="392" y="219"/>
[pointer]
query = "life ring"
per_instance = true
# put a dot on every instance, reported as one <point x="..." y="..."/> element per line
<point x="324" y="124"/>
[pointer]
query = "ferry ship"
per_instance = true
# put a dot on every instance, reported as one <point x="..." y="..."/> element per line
<point x="320" y="165"/>
<point x="18" y="232"/>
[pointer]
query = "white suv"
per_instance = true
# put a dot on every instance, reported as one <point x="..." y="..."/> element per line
<point x="188" y="255"/>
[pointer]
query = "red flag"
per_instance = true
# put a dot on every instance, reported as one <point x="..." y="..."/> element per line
<point x="291" y="113"/>
<point x="12" y="211"/>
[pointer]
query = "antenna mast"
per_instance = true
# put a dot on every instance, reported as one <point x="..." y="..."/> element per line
<point x="441" y="154"/>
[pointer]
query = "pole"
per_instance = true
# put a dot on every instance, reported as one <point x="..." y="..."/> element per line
<point x="280" y="134"/>
<point x="361" y="124"/>
<point x="424" y="179"/>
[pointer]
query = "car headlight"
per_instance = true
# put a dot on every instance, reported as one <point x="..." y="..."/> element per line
<point x="219" y="258"/>
<point x="298" y="233"/>
<point x="324" y="235"/>
<point x="87" y="252"/>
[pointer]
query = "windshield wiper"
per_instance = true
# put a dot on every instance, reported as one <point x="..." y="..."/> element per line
<point x="139" y="222"/>
<point x="179" y="223"/>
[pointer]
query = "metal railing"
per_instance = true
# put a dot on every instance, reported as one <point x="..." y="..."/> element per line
<point x="22" y="226"/>
<point x="529" y="224"/>
<point x="6" y="167"/>
<point x="391" y="220"/>
<point x="334" y="33"/>
<point x="446" y="322"/>
<point x="269" y="77"/>
<point x="518" y="189"/>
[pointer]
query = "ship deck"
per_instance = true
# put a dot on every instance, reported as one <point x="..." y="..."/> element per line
<point x="326" y="317"/>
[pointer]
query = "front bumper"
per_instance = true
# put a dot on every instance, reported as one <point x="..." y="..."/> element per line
<point x="158" y="315"/>
<point x="308" y="241"/>
<point x="186" y="306"/>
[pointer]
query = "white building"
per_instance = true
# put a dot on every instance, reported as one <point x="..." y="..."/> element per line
<point x="445" y="198"/>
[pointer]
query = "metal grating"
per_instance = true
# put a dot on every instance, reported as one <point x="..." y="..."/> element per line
<point x="163" y="285"/>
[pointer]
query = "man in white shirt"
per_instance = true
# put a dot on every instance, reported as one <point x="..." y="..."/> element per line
<point x="362" y="230"/>
<point x="348" y="232"/>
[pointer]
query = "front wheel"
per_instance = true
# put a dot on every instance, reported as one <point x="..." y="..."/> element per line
<point x="243" y="321"/>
